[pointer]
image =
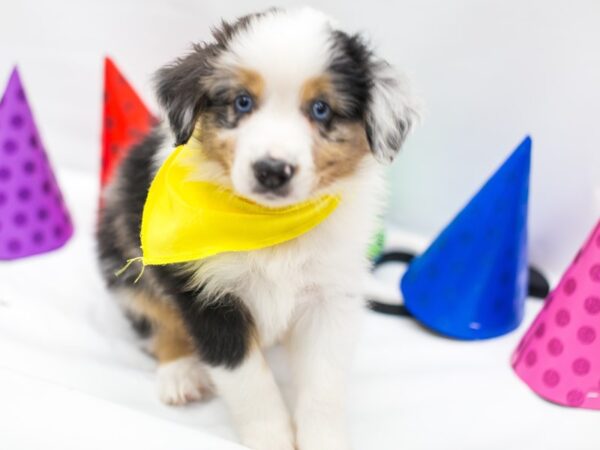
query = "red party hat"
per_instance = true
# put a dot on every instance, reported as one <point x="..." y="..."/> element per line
<point x="559" y="357"/>
<point x="33" y="216"/>
<point x="126" y="120"/>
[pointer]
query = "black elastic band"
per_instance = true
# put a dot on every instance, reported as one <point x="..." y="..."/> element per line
<point x="538" y="284"/>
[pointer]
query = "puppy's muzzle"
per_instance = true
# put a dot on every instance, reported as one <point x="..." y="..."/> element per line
<point x="273" y="174"/>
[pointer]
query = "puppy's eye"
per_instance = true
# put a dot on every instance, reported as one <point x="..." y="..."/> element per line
<point x="243" y="104"/>
<point x="320" y="111"/>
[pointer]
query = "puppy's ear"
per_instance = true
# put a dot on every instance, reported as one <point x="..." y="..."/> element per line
<point x="391" y="112"/>
<point x="180" y="92"/>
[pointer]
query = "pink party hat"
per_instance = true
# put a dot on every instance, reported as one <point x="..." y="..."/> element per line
<point x="33" y="215"/>
<point x="559" y="356"/>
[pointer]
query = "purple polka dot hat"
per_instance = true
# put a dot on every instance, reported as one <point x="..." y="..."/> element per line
<point x="33" y="215"/>
<point x="559" y="357"/>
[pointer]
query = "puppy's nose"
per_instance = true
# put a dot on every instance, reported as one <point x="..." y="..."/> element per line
<point x="273" y="173"/>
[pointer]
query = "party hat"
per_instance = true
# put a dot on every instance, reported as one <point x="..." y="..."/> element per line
<point x="471" y="283"/>
<point x="33" y="216"/>
<point x="559" y="356"/>
<point x="126" y="120"/>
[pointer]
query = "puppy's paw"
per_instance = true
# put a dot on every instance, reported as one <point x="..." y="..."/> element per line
<point x="268" y="436"/>
<point x="330" y="442"/>
<point x="321" y="436"/>
<point x="183" y="381"/>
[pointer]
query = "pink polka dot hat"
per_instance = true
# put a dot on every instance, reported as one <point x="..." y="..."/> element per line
<point x="559" y="356"/>
<point x="33" y="215"/>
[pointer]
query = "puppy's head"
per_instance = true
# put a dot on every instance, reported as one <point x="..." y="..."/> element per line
<point x="284" y="104"/>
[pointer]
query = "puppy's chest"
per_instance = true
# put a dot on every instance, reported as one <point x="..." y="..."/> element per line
<point x="274" y="289"/>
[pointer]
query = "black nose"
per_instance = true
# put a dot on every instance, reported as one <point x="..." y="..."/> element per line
<point x="272" y="173"/>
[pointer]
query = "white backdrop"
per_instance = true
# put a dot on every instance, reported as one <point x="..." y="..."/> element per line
<point x="489" y="73"/>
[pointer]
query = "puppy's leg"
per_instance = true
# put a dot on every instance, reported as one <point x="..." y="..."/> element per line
<point x="224" y="335"/>
<point x="255" y="403"/>
<point x="181" y="376"/>
<point x="321" y="345"/>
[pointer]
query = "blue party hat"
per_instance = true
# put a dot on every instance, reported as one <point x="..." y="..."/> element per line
<point x="471" y="283"/>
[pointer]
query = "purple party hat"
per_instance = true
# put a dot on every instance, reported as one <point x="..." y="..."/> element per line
<point x="33" y="216"/>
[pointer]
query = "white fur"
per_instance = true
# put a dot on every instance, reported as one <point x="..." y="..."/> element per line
<point x="392" y="103"/>
<point x="182" y="381"/>
<point x="286" y="47"/>
<point x="255" y="403"/>
<point x="320" y="344"/>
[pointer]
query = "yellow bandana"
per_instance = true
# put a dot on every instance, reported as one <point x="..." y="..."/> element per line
<point x="186" y="220"/>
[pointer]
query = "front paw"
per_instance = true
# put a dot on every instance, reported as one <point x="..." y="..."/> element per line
<point x="268" y="436"/>
<point x="182" y="381"/>
<point x="324" y="441"/>
<point x="321" y="436"/>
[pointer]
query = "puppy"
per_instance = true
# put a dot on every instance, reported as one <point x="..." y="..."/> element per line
<point x="285" y="107"/>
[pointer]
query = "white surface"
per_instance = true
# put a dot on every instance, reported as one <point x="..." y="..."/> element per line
<point x="71" y="375"/>
<point x="489" y="73"/>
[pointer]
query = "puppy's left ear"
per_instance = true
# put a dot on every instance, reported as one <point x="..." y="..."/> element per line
<point x="391" y="112"/>
<point x="180" y="92"/>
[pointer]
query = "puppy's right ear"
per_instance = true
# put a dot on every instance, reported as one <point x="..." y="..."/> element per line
<point x="181" y="94"/>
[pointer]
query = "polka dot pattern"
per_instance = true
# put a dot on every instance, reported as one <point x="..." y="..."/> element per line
<point x="27" y="183"/>
<point x="592" y="305"/>
<point x="20" y="219"/>
<point x="595" y="273"/>
<point x="575" y="397"/>
<point x="581" y="366"/>
<point x="10" y="147"/>
<point x="551" y="378"/>
<point x="5" y="174"/>
<point x="555" y="347"/>
<point x="29" y="167"/>
<point x="531" y="358"/>
<point x="540" y="330"/>
<point x="570" y="286"/>
<point x="563" y="317"/>
<point x="586" y="335"/>
<point x="33" y="142"/>
<point x="17" y="121"/>
<point x="566" y="366"/>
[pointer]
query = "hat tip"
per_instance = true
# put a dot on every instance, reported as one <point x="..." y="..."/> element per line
<point x="14" y="84"/>
<point x="14" y="74"/>
<point x="527" y="143"/>
<point x="523" y="150"/>
<point x="109" y="63"/>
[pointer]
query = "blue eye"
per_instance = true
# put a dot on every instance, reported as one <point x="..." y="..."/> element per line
<point x="320" y="111"/>
<point x="243" y="104"/>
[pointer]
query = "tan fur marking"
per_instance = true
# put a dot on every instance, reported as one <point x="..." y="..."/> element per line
<point x="206" y="131"/>
<point x="214" y="147"/>
<point x="171" y="340"/>
<point x="339" y="155"/>
<point x="252" y="82"/>
<point x="170" y="345"/>
<point x="317" y="87"/>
